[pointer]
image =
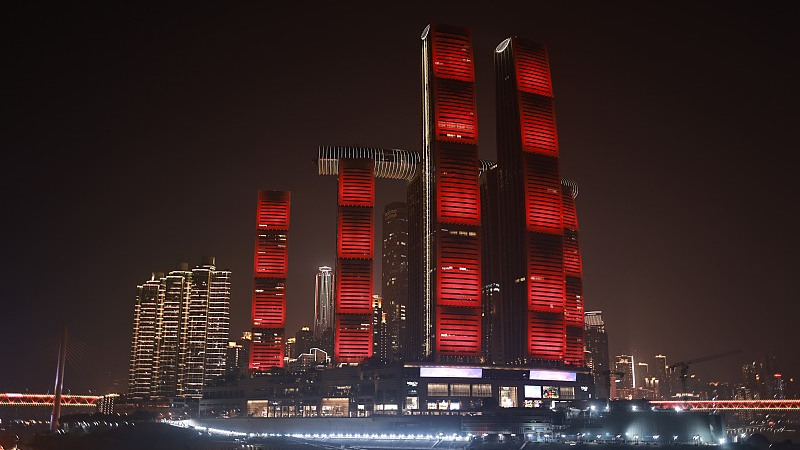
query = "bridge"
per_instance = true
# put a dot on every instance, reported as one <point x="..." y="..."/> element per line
<point x="18" y="399"/>
<point x="728" y="405"/>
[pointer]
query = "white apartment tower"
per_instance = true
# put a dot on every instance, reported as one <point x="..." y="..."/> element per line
<point x="180" y="331"/>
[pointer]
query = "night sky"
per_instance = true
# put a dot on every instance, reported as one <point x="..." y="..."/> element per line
<point x="136" y="136"/>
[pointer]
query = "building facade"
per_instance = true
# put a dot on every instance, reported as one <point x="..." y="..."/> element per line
<point x="596" y="356"/>
<point x="180" y="332"/>
<point x="323" y="308"/>
<point x="270" y="267"/>
<point x="394" y="274"/>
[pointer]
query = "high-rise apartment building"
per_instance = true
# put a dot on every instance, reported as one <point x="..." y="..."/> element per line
<point x="662" y="372"/>
<point x="238" y="357"/>
<point x="596" y="356"/>
<point x="180" y="335"/>
<point x="625" y="366"/>
<point x="143" y="346"/>
<point x="269" y="286"/>
<point x="380" y="332"/>
<point x="323" y="308"/>
<point x="394" y="274"/>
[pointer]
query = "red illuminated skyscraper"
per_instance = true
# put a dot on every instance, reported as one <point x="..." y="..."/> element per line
<point x="269" y="286"/>
<point x="445" y="202"/>
<point x="353" y="332"/>
<point x="541" y="283"/>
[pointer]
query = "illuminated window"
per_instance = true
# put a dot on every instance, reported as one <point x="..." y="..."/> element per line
<point x="437" y="389"/>
<point x="412" y="402"/>
<point x="533" y="391"/>
<point x="459" y="390"/>
<point x="481" y="390"/>
<point x="567" y="392"/>
<point x="508" y="396"/>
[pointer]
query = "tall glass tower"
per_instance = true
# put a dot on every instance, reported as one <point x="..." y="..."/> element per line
<point x="323" y="308"/>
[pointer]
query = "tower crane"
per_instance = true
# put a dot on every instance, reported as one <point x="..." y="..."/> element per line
<point x="684" y="365"/>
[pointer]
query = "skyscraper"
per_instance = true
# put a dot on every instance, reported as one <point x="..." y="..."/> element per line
<point x="394" y="275"/>
<point x="625" y="365"/>
<point x="323" y="308"/>
<point x="662" y="372"/>
<point x="207" y="327"/>
<point x="354" y="251"/>
<point x="143" y="345"/>
<point x="540" y="282"/>
<point x="597" y="357"/>
<point x="380" y="335"/>
<point x="494" y="263"/>
<point x="447" y="245"/>
<point x="180" y="333"/>
<point x="269" y="285"/>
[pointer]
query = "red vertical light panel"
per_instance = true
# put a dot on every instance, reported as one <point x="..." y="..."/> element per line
<point x="546" y="335"/>
<point x="535" y="98"/>
<point x="353" y="338"/>
<point x="546" y="290"/>
<point x="354" y="248"/>
<point x="543" y="208"/>
<point x="459" y="280"/>
<point x="459" y="330"/>
<point x="533" y="68"/>
<point x="269" y="286"/>
<point x="457" y="188"/>
<point x="456" y="270"/>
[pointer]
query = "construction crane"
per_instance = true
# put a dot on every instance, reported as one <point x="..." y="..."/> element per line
<point x="684" y="366"/>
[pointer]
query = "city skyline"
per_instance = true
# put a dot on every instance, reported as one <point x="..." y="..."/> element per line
<point x="146" y="115"/>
